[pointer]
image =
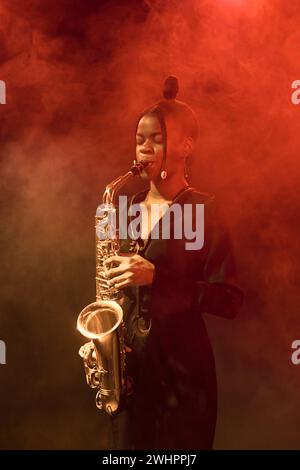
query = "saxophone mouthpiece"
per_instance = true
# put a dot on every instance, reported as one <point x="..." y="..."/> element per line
<point x="138" y="167"/>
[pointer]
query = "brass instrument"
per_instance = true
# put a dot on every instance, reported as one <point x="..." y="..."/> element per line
<point x="102" y="321"/>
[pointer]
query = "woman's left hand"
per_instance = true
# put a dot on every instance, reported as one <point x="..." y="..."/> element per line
<point x="131" y="270"/>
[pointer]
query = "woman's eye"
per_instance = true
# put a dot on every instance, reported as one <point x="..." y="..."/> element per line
<point x="158" y="139"/>
<point x="139" y="140"/>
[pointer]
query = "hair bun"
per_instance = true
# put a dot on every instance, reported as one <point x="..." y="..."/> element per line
<point x="170" y="88"/>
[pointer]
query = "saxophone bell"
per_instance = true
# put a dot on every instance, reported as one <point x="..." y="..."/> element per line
<point x="100" y="322"/>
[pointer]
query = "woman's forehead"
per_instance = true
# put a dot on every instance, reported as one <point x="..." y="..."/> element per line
<point x="149" y="124"/>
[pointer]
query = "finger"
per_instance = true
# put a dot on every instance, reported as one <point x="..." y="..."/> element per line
<point x="104" y="284"/>
<point x="113" y="259"/>
<point x="121" y="281"/>
<point x="120" y="278"/>
<point x="123" y="284"/>
<point x="117" y="258"/>
<point x="113" y="272"/>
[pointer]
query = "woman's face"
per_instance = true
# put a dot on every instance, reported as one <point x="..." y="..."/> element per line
<point x="150" y="146"/>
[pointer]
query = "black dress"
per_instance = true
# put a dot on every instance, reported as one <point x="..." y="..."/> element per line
<point x="174" y="399"/>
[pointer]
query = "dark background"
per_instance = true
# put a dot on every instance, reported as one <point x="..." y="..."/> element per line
<point x="78" y="74"/>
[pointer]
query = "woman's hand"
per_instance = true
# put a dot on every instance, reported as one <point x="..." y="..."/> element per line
<point x="131" y="270"/>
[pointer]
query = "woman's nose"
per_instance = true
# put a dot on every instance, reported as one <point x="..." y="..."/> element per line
<point x="147" y="147"/>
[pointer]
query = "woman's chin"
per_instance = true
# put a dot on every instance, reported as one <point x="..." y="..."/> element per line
<point x="145" y="175"/>
<point x="149" y="175"/>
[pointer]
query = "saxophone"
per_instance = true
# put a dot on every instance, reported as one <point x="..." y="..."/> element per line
<point x="102" y="321"/>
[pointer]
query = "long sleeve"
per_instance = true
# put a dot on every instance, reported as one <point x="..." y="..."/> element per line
<point x="215" y="291"/>
<point x="171" y="294"/>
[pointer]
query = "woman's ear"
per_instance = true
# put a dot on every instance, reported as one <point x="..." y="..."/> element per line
<point x="188" y="146"/>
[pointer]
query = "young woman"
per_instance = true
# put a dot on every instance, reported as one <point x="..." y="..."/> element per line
<point x="166" y="289"/>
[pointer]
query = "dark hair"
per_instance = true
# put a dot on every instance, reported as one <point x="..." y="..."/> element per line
<point x="170" y="107"/>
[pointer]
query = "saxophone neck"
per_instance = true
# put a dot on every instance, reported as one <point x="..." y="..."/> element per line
<point x="111" y="190"/>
